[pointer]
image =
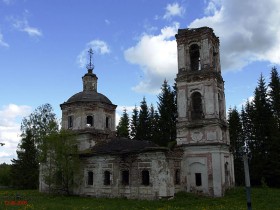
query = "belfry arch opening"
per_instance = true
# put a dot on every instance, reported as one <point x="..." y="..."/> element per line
<point x="195" y="57"/>
<point x="196" y="100"/>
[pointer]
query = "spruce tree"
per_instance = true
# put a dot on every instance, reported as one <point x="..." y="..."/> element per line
<point x="25" y="169"/>
<point x="167" y="112"/>
<point x="274" y="94"/>
<point x="123" y="127"/>
<point x="273" y="174"/>
<point x="153" y="122"/>
<point x="262" y="119"/>
<point x="134" y="123"/>
<point x="236" y="144"/>
<point x="143" y="129"/>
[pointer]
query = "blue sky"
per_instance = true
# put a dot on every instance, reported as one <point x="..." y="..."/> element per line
<point x="43" y="48"/>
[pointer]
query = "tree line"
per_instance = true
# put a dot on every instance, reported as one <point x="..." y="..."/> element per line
<point x="151" y="124"/>
<point x="255" y="131"/>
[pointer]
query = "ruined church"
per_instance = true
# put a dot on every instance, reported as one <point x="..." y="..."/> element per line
<point x="200" y="162"/>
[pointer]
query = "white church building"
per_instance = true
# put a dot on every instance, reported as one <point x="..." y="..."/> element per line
<point x="118" y="167"/>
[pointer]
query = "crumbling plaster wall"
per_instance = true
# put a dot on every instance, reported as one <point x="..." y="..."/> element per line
<point x="161" y="177"/>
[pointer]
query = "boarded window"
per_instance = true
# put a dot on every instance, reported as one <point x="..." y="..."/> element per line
<point x="198" y="180"/>
<point x="145" y="177"/>
<point x="196" y="106"/>
<point x="195" y="57"/>
<point x="177" y="176"/>
<point x="107" y="178"/>
<point x="90" y="178"/>
<point x="70" y="121"/>
<point x="89" y="121"/>
<point x="125" y="177"/>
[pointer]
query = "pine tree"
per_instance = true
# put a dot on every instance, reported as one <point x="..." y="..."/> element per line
<point x="134" y="123"/>
<point x="167" y="112"/>
<point x="25" y="169"/>
<point x="123" y="127"/>
<point x="143" y="129"/>
<point x="236" y="144"/>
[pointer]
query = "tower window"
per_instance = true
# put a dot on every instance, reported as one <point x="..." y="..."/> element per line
<point x="198" y="181"/>
<point x="89" y="121"/>
<point x="70" y="121"/>
<point x="125" y="177"/>
<point x="195" y="57"/>
<point x="107" y="122"/>
<point x="177" y="176"/>
<point x="145" y="177"/>
<point x="90" y="178"/>
<point x="196" y="106"/>
<point x="107" y="178"/>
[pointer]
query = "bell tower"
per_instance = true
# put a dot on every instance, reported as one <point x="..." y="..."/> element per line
<point x="202" y="130"/>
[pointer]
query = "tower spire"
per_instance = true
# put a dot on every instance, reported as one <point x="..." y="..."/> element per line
<point x="90" y="66"/>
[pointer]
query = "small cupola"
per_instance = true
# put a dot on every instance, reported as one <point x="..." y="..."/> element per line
<point x="90" y="79"/>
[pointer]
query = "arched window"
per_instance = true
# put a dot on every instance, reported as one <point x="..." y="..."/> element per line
<point x="107" y="178"/>
<point x="145" y="177"/>
<point x="89" y="121"/>
<point x="196" y="106"/>
<point x="195" y="57"/>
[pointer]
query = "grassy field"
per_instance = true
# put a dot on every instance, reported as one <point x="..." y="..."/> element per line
<point x="262" y="198"/>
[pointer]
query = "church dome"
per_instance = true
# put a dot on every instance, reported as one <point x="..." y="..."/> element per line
<point x="89" y="96"/>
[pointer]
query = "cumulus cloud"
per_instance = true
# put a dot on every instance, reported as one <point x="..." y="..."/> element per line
<point x="23" y="25"/>
<point x="2" y="42"/>
<point x="157" y="57"/>
<point x="249" y="31"/>
<point x="173" y="10"/>
<point x="98" y="46"/>
<point x="10" y="129"/>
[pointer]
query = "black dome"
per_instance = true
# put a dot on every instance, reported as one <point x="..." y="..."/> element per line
<point x="89" y="96"/>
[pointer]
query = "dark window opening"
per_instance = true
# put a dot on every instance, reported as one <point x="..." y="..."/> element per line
<point x="70" y="121"/>
<point x="195" y="57"/>
<point x="177" y="176"/>
<point x="107" y="178"/>
<point x="107" y="122"/>
<point x="196" y="106"/>
<point x="125" y="177"/>
<point x="198" y="181"/>
<point x="220" y="105"/>
<point x="89" y="121"/>
<point x="90" y="178"/>
<point x="145" y="177"/>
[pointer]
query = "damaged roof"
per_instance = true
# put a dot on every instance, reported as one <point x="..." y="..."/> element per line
<point x="118" y="146"/>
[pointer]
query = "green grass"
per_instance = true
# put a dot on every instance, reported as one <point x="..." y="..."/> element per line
<point x="262" y="198"/>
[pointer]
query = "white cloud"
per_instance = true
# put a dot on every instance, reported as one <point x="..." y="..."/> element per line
<point x="249" y="31"/>
<point x="23" y="25"/>
<point x="173" y="10"/>
<point x="107" y="22"/>
<point x="2" y="42"/>
<point x="157" y="57"/>
<point x="8" y="2"/>
<point x="98" y="46"/>
<point x="10" y="116"/>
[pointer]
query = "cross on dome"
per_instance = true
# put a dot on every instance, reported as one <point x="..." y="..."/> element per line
<point x="90" y="66"/>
